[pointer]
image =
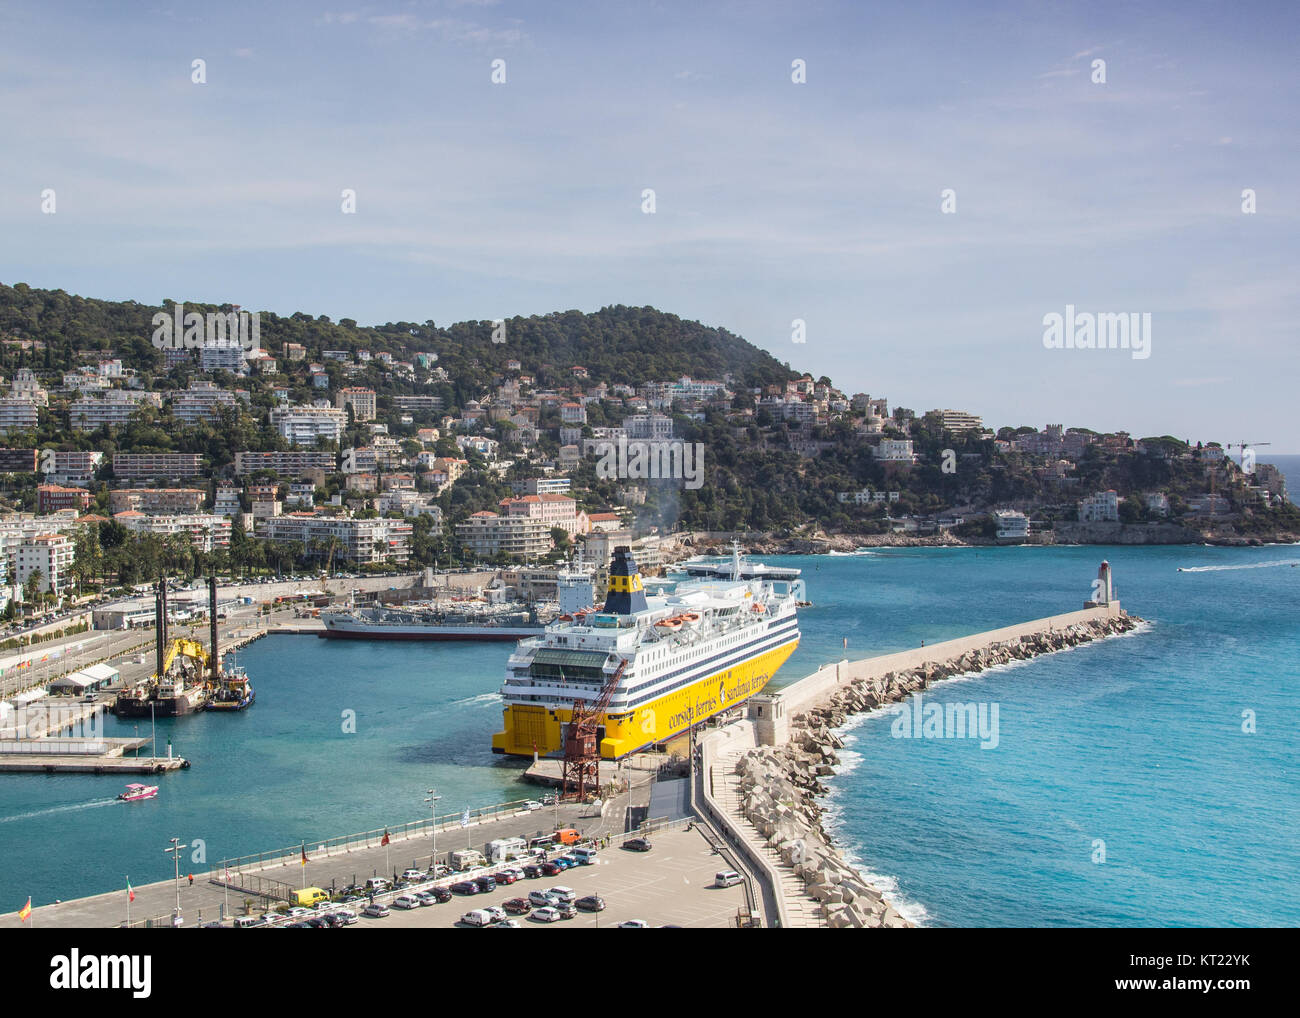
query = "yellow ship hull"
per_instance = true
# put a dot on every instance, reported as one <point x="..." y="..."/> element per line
<point x="537" y="728"/>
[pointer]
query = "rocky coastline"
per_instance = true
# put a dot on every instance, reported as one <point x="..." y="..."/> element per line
<point x="1072" y="534"/>
<point x="781" y="785"/>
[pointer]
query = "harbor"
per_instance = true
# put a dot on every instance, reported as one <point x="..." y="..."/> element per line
<point x="448" y="692"/>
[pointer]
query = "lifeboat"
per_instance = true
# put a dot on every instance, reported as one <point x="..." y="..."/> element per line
<point x="691" y="617"/>
<point x="758" y="609"/>
<point x="566" y="618"/>
<point x="672" y="624"/>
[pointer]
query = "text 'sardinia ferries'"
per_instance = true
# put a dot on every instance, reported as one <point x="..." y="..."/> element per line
<point x="705" y="648"/>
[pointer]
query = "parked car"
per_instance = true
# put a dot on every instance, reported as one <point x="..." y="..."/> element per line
<point x="532" y="804"/>
<point x="518" y="906"/>
<point x="344" y="917"/>
<point x="551" y="869"/>
<point x="498" y="914"/>
<point x="406" y="901"/>
<point x="375" y="912"/>
<point x="634" y="924"/>
<point x="485" y="883"/>
<point x="546" y="915"/>
<point x="477" y="917"/>
<point x="566" y="910"/>
<point x="542" y="899"/>
<point x="565" y="894"/>
<point x="441" y="894"/>
<point x="637" y="844"/>
<point x="591" y="903"/>
<point x="506" y="877"/>
<point x="533" y="871"/>
<point x="425" y="898"/>
<point x="465" y="887"/>
<point x="413" y="875"/>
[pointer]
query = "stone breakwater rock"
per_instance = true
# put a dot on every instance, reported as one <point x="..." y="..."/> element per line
<point x="779" y="785"/>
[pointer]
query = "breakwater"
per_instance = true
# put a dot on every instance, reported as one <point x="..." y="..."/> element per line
<point x="780" y="780"/>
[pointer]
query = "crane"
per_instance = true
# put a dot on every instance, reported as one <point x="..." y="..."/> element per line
<point x="581" y="752"/>
<point x="1243" y="446"/>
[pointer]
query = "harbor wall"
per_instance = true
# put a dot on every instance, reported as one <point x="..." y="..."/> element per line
<point x="772" y="712"/>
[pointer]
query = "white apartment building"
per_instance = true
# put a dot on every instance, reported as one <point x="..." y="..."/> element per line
<point x="224" y="356"/>
<point x="113" y="409"/>
<point x="359" y="541"/>
<point x="1102" y="507"/>
<point x="18" y="413"/>
<point x="207" y="532"/>
<point x="1012" y="525"/>
<point x="895" y="450"/>
<point x="52" y="555"/>
<point x="487" y="534"/>
<point x="303" y="425"/>
<point x="200" y="402"/>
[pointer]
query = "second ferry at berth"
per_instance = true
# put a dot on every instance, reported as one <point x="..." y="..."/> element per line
<point x="684" y="656"/>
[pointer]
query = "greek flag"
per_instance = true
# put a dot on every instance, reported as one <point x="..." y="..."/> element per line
<point x="464" y="818"/>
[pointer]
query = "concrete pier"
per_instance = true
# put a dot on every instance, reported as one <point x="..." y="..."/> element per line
<point x="772" y="712"/>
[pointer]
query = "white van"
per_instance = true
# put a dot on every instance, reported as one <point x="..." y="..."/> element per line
<point x="478" y="917"/>
<point x="586" y="856"/>
<point x="406" y="901"/>
<point x="727" y="878"/>
<point x="243" y="922"/>
<point x="378" y="885"/>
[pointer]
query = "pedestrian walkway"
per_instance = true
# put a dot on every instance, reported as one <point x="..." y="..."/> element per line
<point x="800" y="909"/>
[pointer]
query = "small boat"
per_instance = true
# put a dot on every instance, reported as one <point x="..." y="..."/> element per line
<point x="134" y="792"/>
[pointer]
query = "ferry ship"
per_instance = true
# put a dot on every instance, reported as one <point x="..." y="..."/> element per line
<point x="677" y="660"/>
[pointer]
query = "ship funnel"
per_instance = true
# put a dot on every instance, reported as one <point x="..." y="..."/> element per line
<point x="626" y="595"/>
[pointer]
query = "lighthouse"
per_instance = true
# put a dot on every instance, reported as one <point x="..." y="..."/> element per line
<point x="1103" y="588"/>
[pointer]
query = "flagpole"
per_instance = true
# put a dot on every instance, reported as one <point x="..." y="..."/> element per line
<point x="128" y="901"/>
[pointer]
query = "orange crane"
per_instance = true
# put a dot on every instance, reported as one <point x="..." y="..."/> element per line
<point x="581" y="772"/>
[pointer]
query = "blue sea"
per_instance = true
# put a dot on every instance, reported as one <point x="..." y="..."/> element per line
<point x="1134" y="743"/>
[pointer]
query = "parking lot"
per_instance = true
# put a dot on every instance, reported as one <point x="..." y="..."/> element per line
<point x="669" y="885"/>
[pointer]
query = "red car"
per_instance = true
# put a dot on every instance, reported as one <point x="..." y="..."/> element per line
<point x="550" y="869"/>
<point x="518" y="906"/>
<point x="506" y="877"/>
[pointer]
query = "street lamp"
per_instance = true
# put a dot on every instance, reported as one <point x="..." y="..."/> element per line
<point x="433" y="809"/>
<point x="175" y="851"/>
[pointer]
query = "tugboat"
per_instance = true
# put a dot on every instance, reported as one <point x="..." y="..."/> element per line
<point x="233" y="692"/>
<point x="134" y="793"/>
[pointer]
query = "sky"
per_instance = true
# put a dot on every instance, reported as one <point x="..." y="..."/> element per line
<point x="774" y="200"/>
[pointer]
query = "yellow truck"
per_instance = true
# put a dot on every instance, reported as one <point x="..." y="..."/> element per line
<point x="310" y="897"/>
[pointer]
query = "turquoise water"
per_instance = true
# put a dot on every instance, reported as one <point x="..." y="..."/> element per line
<point x="1135" y="741"/>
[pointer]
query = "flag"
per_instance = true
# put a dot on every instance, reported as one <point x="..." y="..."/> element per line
<point x="846" y="643"/>
<point x="385" y="841"/>
<point x="130" y="894"/>
<point x="464" y="818"/>
<point x="304" y="854"/>
<point x="26" y="911"/>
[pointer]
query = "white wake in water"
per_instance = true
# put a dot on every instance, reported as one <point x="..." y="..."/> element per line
<point x="481" y="698"/>
<point x="1225" y="569"/>
<point x="70" y="808"/>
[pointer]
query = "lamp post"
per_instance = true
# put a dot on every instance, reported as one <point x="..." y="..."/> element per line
<point x="175" y="851"/>
<point x="433" y="809"/>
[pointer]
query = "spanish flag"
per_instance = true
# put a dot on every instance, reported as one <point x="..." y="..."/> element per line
<point x="304" y="853"/>
<point x="25" y="912"/>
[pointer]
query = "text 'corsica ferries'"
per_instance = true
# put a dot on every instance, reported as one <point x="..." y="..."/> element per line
<point x="706" y="647"/>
